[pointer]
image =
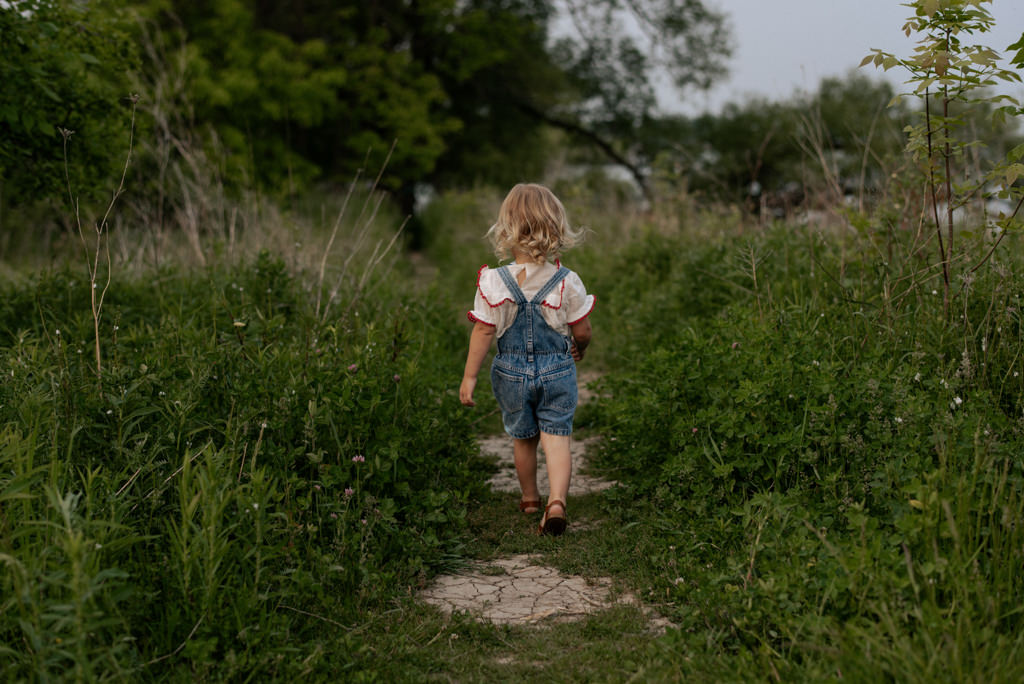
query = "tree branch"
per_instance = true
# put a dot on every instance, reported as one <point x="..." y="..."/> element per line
<point x="592" y="137"/>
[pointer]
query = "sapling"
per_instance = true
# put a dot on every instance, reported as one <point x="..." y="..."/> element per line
<point x="952" y="73"/>
<point x="101" y="246"/>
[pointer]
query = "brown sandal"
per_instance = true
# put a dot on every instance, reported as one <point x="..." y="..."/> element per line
<point x="535" y="505"/>
<point x="553" y="525"/>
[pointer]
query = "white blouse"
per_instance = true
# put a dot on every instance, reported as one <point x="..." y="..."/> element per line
<point x="567" y="304"/>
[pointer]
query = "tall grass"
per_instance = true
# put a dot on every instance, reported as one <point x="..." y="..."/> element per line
<point x="251" y="474"/>
<point x="835" y="457"/>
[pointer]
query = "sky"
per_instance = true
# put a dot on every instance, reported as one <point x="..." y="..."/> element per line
<point x="782" y="46"/>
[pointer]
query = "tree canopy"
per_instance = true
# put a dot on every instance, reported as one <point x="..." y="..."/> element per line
<point x="466" y="89"/>
<point x="63" y="66"/>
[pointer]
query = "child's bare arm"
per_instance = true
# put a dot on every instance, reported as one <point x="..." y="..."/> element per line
<point x="479" y="344"/>
<point x="581" y="334"/>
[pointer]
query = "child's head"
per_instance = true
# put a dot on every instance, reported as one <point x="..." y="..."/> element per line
<point x="533" y="222"/>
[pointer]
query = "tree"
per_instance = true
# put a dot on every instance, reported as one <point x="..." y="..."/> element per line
<point x="466" y="88"/>
<point x="620" y="48"/>
<point x="63" y="65"/>
<point x="470" y="90"/>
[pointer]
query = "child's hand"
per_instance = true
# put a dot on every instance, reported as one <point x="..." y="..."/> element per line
<point x="466" y="391"/>
<point x="577" y="353"/>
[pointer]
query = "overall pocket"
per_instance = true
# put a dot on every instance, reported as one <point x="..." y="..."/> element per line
<point x="560" y="390"/>
<point x="508" y="390"/>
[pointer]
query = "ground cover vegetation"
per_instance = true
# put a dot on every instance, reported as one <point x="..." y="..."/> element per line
<point x="241" y="478"/>
<point x="231" y="445"/>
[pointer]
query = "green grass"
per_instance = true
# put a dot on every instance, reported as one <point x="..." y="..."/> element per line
<point x="801" y="494"/>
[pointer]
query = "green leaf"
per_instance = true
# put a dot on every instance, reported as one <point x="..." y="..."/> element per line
<point x="1013" y="172"/>
<point x="49" y="92"/>
<point x="87" y="58"/>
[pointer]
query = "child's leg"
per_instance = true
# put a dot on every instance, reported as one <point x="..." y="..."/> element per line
<point x="556" y="449"/>
<point x="525" y="453"/>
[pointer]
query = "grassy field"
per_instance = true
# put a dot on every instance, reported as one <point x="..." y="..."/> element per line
<point x="819" y="461"/>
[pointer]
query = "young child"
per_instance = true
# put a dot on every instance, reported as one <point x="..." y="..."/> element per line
<point x="538" y="312"/>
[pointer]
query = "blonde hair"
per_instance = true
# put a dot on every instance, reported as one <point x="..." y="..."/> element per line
<point x="532" y="221"/>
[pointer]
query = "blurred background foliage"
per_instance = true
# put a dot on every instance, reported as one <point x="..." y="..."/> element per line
<point x="286" y="100"/>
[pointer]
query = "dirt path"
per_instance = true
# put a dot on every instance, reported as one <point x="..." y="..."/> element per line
<point x="520" y="589"/>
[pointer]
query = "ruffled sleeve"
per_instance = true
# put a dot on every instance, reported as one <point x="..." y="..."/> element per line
<point x="491" y="293"/>
<point x="578" y="304"/>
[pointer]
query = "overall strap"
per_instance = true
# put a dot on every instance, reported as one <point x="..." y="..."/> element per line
<point x="512" y="285"/>
<point x="559" y="276"/>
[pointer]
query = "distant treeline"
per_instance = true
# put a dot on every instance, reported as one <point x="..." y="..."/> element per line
<point x="278" y="96"/>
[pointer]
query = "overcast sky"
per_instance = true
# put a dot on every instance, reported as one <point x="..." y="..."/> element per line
<point x="786" y="45"/>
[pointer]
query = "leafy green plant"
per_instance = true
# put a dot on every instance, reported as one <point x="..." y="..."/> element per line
<point x="64" y="65"/>
<point x="954" y="77"/>
<point x="267" y="473"/>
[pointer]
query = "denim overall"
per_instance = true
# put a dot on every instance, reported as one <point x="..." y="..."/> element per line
<point x="533" y="374"/>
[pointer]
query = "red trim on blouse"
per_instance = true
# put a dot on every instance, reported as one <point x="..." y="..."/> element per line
<point x="561" y="291"/>
<point x="493" y="306"/>
<point x="470" y="316"/>
<point x="592" y="303"/>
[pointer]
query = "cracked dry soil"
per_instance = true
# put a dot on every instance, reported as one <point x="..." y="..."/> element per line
<point x="519" y="589"/>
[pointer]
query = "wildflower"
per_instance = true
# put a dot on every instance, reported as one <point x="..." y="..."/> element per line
<point x="109" y="411"/>
<point x="735" y="345"/>
<point x="897" y="420"/>
<point x="58" y="332"/>
<point x="263" y="425"/>
<point x="815" y="363"/>
<point x="349" y="491"/>
<point x="99" y="546"/>
<point x="935" y="292"/>
<point x="917" y="377"/>
<point x="957" y="400"/>
<point x="239" y="324"/>
<point x="334" y="516"/>
<point x="162" y="393"/>
<point x="353" y="368"/>
<point x="694" y="430"/>
<point x="358" y="458"/>
<point x="255" y="507"/>
<point x="397" y="378"/>
<point x="316" y="487"/>
<point x="117" y="327"/>
<point x="363" y="521"/>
